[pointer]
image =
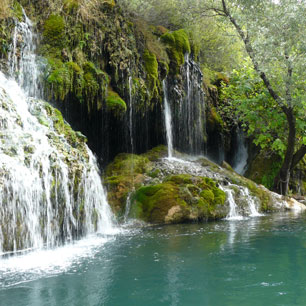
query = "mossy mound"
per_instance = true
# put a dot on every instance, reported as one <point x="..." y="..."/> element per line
<point x="115" y="104"/>
<point x="179" y="198"/>
<point x="156" y="153"/>
<point x="177" y="46"/>
<point x="124" y="174"/>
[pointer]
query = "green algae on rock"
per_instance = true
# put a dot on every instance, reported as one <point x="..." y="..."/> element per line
<point x="115" y="104"/>
<point x="177" y="46"/>
<point x="180" y="198"/>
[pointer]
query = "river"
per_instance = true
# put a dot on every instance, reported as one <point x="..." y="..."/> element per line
<point x="254" y="261"/>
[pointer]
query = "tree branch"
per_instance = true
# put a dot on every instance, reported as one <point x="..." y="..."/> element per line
<point x="298" y="156"/>
<point x="245" y="38"/>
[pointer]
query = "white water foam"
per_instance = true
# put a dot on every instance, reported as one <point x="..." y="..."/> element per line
<point x="26" y="267"/>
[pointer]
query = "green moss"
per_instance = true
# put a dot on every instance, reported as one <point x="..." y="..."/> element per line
<point x="151" y="203"/>
<point x="75" y="139"/>
<point x="122" y="175"/>
<point x="188" y="197"/>
<point x="214" y="121"/>
<point x="54" y="31"/>
<point x="71" y="5"/>
<point x="154" y="173"/>
<point x="59" y="78"/>
<point x="157" y="153"/>
<point x="110" y="4"/>
<point x="180" y="179"/>
<point x="208" y="196"/>
<point x="124" y="164"/>
<point x="177" y="46"/>
<point x="151" y="66"/>
<point x="115" y="104"/>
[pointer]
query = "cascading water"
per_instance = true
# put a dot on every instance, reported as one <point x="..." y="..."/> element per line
<point x="188" y="103"/>
<point x="235" y="213"/>
<point x="131" y="113"/>
<point x="51" y="190"/>
<point x="168" y="121"/>
<point x="241" y="154"/>
<point x="23" y="62"/>
<point x="239" y="200"/>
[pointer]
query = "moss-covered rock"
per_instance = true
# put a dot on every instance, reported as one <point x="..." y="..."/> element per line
<point x="179" y="198"/>
<point x="157" y="153"/>
<point x="177" y="46"/>
<point x="124" y="174"/>
<point x="115" y="104"/>
<point x="263" y="169"/>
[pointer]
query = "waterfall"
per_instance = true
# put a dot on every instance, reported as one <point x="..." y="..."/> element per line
<point x="241" y="156"/>
<point x="51" y="190"/>
<point x="233" y="209"/>
<point x="127" y="208"/>
<point x="188" y="105"/>
<point x="168" y="121"/>
<point x="131" y="113"/>
<point x="236" y="213"/>
<point x="23" y="62"/>
<point x="253" y="206"/>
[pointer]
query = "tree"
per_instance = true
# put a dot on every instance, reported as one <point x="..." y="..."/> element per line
<point x="274" y="36"/>
<point x="219" y="48"/>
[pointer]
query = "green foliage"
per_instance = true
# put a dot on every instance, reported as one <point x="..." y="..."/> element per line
<point x="247" y="98"/>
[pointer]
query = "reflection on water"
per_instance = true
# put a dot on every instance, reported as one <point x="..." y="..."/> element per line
<point x="261" y="258"/>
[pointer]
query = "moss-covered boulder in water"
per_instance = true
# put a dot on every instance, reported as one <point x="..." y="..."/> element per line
<point x="179" y="198"/>
<point x="121" y="176"/>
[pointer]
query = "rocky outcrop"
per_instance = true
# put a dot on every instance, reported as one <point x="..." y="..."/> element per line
<point x="165" y="190"/>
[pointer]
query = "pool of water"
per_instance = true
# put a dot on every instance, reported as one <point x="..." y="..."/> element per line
<point x="258" y="261"/>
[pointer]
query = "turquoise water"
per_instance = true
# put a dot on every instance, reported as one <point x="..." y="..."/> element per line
<point x="259" y="261"/>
